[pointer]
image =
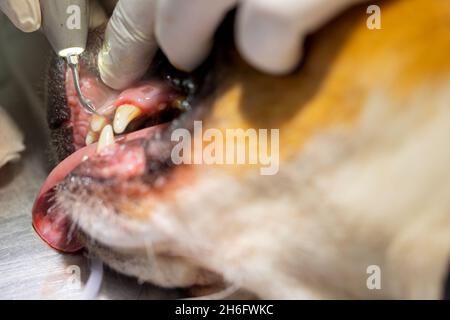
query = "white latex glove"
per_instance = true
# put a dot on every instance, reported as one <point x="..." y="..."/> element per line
<point x="269" y="33"/>
<point x="26" y="14"/>
<point x="11" y="139"/>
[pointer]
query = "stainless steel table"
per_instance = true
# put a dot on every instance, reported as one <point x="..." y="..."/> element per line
<point x="29" y="269"/>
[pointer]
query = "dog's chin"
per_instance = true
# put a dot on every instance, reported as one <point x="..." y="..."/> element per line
<point x="117" y="221"/>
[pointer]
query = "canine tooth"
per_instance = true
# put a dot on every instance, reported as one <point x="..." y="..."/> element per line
<point x="106" y="138"/>
<point x="124" y="115"/>
<point x="98" y="123"/>
<point x="91" y="137"/>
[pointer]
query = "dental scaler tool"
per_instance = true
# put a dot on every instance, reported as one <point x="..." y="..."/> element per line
<point x="66" y="23"/>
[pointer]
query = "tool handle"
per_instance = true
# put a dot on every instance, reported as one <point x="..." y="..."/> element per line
<point x="66" y="25"/>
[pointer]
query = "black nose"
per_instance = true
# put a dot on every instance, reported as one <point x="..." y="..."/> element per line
<point x="447" y="285"/>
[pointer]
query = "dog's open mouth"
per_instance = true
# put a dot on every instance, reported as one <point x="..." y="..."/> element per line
<point x="126" y="144"/>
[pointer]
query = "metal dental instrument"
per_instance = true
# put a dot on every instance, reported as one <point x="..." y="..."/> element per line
<point x="72" y="61"/>
<point x="66" y="23"/>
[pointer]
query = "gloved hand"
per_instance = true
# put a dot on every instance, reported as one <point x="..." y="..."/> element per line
<point x="26" y="14"/>
<point x="269" y="33"/>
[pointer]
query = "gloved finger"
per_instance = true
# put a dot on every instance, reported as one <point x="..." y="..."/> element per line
<point x="129" y="44"/>
<point x="97" y="15"/>
<point x="24" y="14"/>
<point x="108" y="5"/>
<point x="185" y="29"/>
<point x="270" y="33"/>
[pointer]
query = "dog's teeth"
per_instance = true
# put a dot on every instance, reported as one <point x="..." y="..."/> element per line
<point x="91" y="137"/>
<point x="124" y="115"/>
<point x="106" y="138"/>
<point x="98" y="123"/>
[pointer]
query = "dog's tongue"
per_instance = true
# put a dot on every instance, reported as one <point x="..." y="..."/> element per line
<point x="50" y="222"/>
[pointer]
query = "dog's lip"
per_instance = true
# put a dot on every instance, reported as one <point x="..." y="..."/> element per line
<point x="55" y="228"/>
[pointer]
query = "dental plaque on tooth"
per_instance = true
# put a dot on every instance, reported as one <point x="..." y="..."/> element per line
<point x="124" y="115"/>
<point x="106" y="138"/>
<point x="126" y="111"/>
<point x="115" y="108"/>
